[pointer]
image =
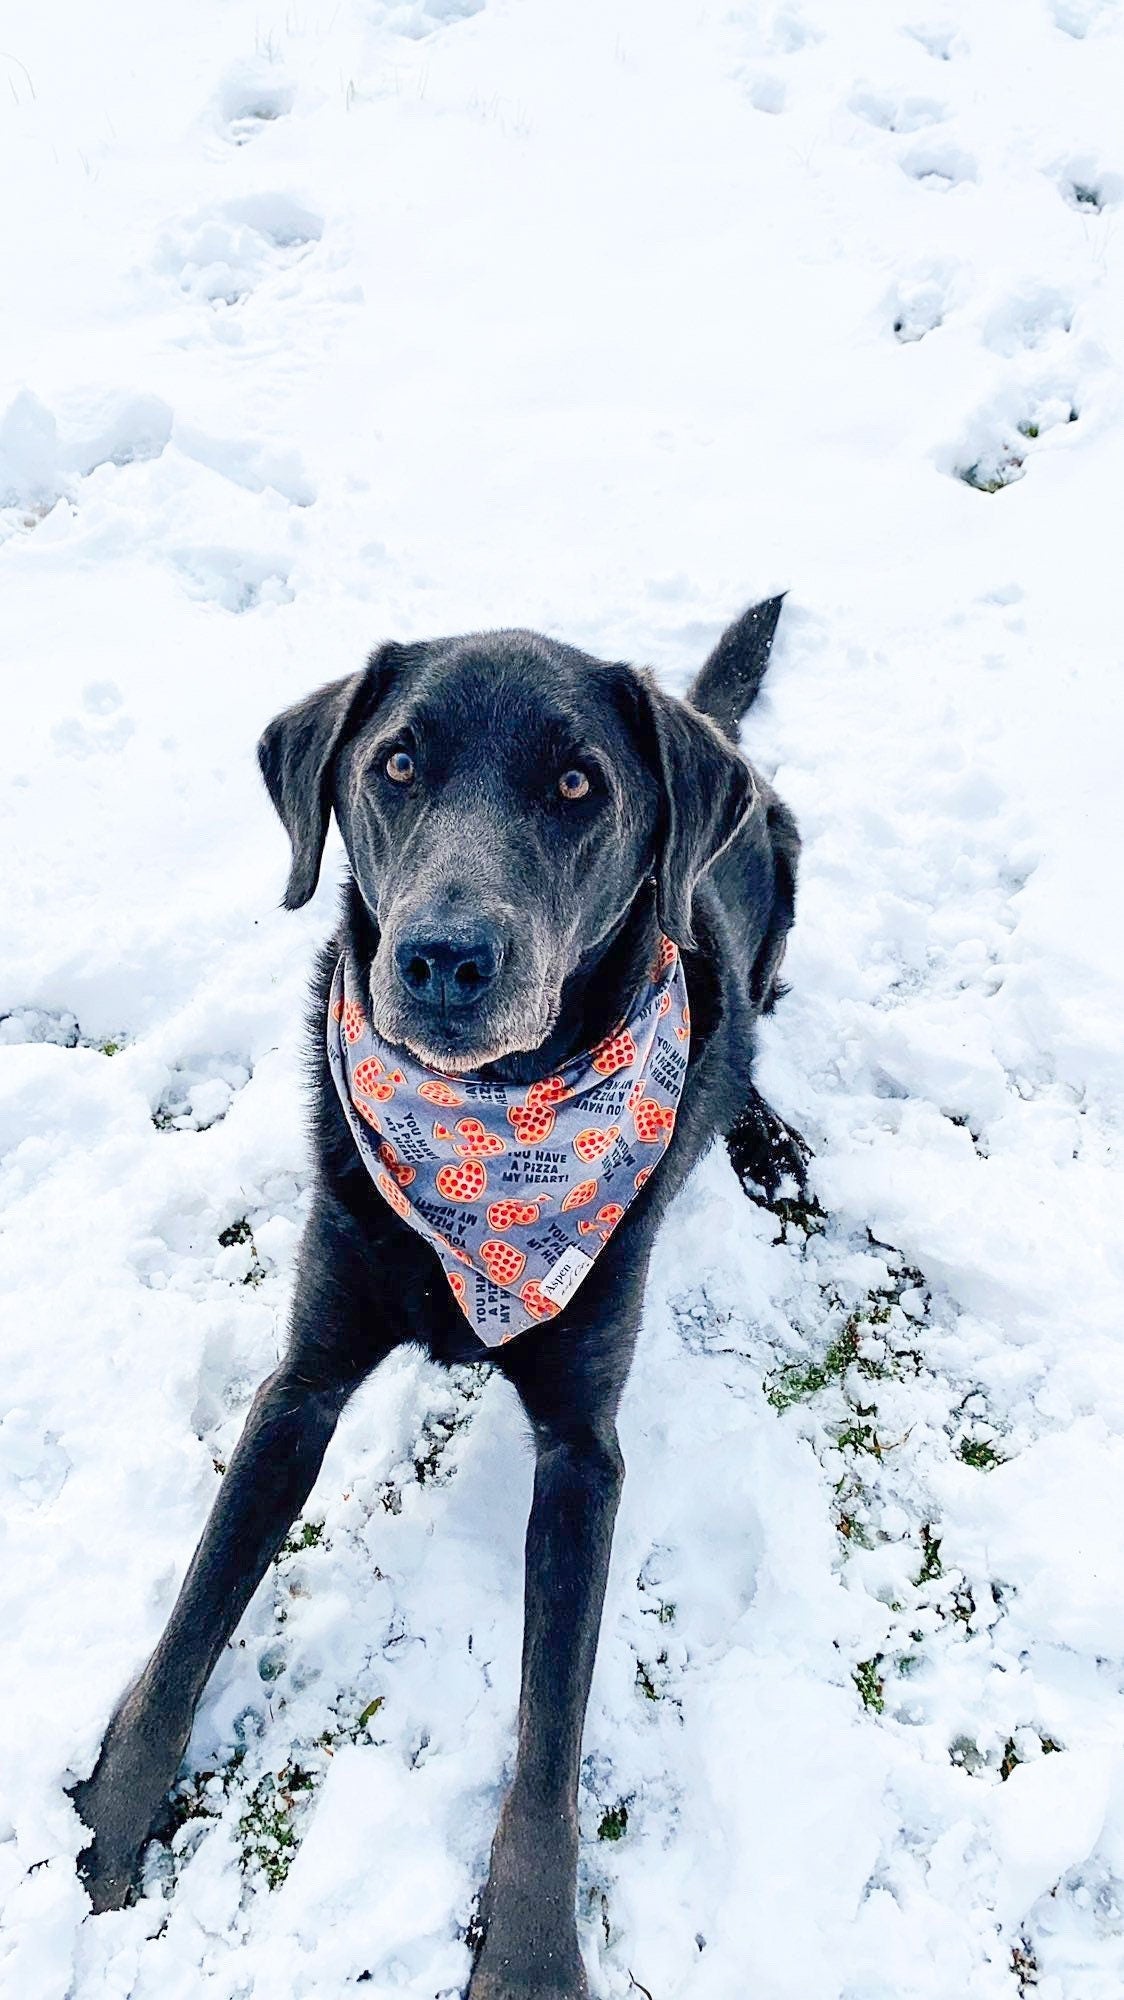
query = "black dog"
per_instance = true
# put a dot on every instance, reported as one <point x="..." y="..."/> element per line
<point x="521" y="823"/>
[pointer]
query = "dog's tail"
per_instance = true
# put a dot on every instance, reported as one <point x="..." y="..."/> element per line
<point x="728" y="685"/>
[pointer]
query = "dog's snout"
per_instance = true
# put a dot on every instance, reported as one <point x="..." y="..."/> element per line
<point x="450" y="972"/>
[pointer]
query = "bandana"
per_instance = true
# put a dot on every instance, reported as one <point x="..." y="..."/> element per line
<point x="518" y="1187"/>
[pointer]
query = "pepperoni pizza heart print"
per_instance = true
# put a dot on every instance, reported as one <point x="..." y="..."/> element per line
<point x="464" y="1183"/>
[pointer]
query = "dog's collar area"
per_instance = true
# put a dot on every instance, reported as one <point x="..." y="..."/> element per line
<point x="516" y="1186"/>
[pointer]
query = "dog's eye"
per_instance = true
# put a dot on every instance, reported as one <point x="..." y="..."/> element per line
<point x="400" y="766"/>
<point x="573" y="784"/>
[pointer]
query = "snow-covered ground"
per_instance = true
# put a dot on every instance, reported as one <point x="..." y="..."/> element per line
<point x="349" y="319"/>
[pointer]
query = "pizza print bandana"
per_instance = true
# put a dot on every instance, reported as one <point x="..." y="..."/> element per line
<point x="516" y="1186"/>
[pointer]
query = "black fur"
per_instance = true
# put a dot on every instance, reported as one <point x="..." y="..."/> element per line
<point x="678" y="833"/>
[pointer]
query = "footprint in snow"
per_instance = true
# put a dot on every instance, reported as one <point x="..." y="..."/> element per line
<point x="1087" y="187"/>
<point x="939" y="166"/>
<point x="939" y="40"/>
<point x="891" y="113"/>
<point x="994" y="453"/>
<point x="920" y="302"/>
<point x="221" y="255"/>
<point x="102" y="727"/>
<point x="58" y="1028"/>
<point x="237" y="580"/>
<point x="23" y="1025"/>
<point x="789" y="33"/>
<point x="237" y="1238"/>
<point x="766" y="93"/>
<point x="1079" y="18"/>
<point x="1029" y="318"/>
<point x="254" y="464"/>
<point x="419" y="18"/>
<point x="252" y="96"/>
<point x="43" y="456"/>
<point x="199" y="1092"/>
<point x="33" y="1464"/>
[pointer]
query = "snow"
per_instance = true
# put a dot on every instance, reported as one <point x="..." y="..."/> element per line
<point x="348" y="321"/>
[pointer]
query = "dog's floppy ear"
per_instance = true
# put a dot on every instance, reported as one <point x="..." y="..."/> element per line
<point x="708" y="793"/>
<point x="297" y="754"/>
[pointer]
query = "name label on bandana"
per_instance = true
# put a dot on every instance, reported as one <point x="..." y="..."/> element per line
<point x="517" y="1187"/>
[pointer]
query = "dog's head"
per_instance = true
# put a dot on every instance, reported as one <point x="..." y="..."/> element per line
<point x="502" y="799"/>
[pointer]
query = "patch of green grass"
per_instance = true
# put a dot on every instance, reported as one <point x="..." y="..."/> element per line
<point x="870" y="1685"/>
<point x="267" y="1835"/>
<point x="111" y="1048"/>
<point x="645" y="1682"/>
<point x="796" y="1383"/>
<point x="931" y="1564"/>
<point x="1028" y="429"/>
<point x="309" y="1535"/>
<point x="859" y="1436"/>
<point x="433" y="1463"/>
<point x="802" y="1380"/>
<point x="802" y="1212"/>
<point x="269" y="1822"/>
<point x="979" y="1453"/>
<point x="269" y="1826"/>
<point x="614" y="1822"/>
<point x="195" y="1799"/>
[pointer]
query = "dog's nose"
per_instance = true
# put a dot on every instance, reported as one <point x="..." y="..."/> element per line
<point x="449" y="972"/>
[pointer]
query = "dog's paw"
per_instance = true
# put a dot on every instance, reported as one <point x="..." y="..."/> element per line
<point x="766" y="1154"/>
<point x="121" y="1799"/>
<point x="501" y="1984"/>
<point x="108" y="1866"/>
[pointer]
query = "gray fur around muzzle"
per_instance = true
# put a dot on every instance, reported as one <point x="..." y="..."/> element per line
<point x="462" y="979"/>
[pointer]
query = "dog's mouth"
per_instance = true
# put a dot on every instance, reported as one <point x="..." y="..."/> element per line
<point x="459" y="1044"/>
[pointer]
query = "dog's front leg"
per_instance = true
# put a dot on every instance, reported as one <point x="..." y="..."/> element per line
<point x="270" y="1475"/>
<point x="530" y="1949"/>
